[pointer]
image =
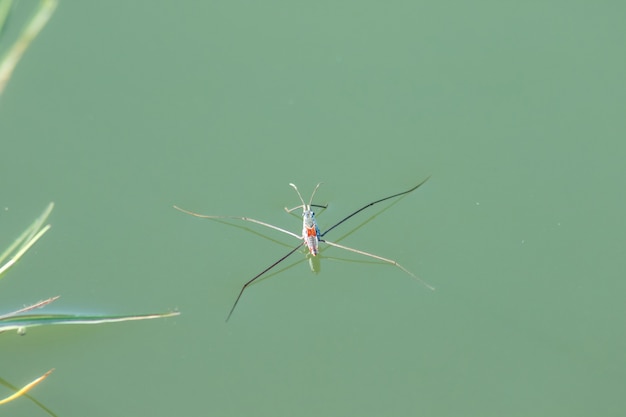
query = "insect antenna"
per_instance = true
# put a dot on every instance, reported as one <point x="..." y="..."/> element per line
<point x="314" y="191"/>
<point x="301" y="200"/>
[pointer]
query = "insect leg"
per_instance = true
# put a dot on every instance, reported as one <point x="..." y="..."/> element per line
<point x="372" y="203"/>
<point x="247" y="219"/>
<point x="380" y="258"/>
<point x="259" y="275"/>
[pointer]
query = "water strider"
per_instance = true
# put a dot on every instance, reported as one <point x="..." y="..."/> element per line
<point x="311" y="235"/>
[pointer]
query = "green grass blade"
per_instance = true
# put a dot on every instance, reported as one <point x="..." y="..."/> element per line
<point x="25" y="241"/>
<point x="20" y="322"/>
<point x="40" y="304"/>
<point x="5" y="10"/>
<point x="32" y="29"/>
<point x="25" y="388"/>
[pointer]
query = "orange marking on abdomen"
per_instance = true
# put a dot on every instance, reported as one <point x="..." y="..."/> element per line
<point x="310" y="231"/>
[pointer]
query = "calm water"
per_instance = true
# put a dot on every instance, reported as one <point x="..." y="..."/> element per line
<point x="121" y="110"/>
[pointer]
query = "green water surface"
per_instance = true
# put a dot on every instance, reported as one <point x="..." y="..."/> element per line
<point x="122" y="109"/>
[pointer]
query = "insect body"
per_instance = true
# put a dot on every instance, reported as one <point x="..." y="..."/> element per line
<point x="310" y="230"/>
<point x="311" y="235"/>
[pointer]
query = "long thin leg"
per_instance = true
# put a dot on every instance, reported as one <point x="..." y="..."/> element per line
<point x="299" y="216"/>
<point x="248" y="219"/>
<point x="259" y="275"/>
<point x="289" y="210"/>
<point x="380" y="258"/>
<point x="372" y="203"/>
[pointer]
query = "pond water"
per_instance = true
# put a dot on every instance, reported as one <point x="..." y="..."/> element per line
<point x="120" y="110"/>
